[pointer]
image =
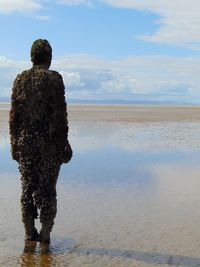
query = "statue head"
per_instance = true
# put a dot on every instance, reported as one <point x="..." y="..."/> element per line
<point x="41" y="53"/>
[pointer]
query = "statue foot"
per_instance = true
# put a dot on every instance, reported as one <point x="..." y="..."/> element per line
<point x="33" y="236"/>
<point x="44" y="237"/>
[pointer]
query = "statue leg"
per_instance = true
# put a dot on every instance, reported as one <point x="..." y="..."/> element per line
<point x="28" y="207"/>
<point x="29" y="212"/>
<point x="47" y="216"/>
<point x="46" y="198"/>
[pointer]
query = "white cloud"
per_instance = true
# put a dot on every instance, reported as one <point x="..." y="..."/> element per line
<point x="10" y="6"/>
<point x="5" y="62"/>
<point x="150" y="78"/>
<point x="133" y="78"/>
<point x="72" y="79"/>
<point x="26" y="7"/>
<point x="42" y="17"/>
<point x="179" y="21"/>
<point x="8" y="71"/>
<point x="74" y="2"/>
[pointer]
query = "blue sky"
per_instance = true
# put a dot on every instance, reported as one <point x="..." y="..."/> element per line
<point x="136" y="50"/>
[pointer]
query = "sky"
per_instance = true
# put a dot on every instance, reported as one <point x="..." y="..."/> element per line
<point x="108" y="50"/>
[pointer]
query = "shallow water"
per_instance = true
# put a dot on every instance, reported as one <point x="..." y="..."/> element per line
<point x="129" y="197"/>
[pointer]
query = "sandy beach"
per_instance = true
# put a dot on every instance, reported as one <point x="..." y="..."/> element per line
<point x="130" y="196"/>
<point x="134" y="113"/>
<point x="128" y="113"/>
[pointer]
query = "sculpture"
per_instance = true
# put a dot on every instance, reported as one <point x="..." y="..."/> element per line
<point x="39" y="138"/>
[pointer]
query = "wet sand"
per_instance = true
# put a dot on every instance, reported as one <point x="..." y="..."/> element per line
<point x="130" y="196"/>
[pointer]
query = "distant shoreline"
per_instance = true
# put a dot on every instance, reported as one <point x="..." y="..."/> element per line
<point x="122" y="104"/>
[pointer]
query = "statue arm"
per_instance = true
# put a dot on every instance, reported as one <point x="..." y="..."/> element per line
<point x="61" y="122"/>
<point x="15" y="120"/>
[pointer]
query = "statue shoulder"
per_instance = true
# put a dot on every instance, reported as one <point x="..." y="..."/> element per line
<point x="54" y="74"/>
<point x="21" y="77"/>
<point x="56" y="77"/>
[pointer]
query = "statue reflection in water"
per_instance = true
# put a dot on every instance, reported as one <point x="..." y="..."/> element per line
<point x="39" y="139"/>
<point x="37" y="256"/>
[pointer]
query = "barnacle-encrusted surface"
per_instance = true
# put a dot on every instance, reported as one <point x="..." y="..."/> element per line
<point x="41" y="52"/>
<point x="39" y="131"/>
<point x="38" y="118"/>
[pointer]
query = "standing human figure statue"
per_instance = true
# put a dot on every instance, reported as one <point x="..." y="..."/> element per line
<point x="39" y="138"/>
